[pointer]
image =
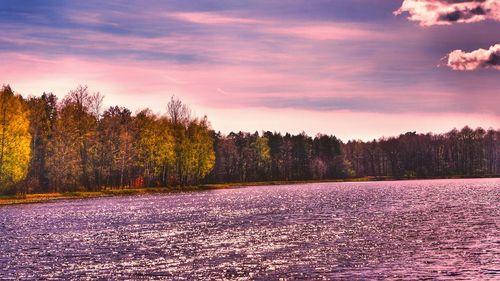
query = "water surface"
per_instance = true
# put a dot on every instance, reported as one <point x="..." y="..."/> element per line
<point x="440" y="229"/>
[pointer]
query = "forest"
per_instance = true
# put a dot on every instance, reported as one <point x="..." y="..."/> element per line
<point x="73" y="144"/>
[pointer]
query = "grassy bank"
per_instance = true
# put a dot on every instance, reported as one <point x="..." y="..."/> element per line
<point x="46" y="197"/>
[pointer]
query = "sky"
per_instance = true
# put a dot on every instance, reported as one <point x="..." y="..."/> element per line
<point x="358" y="69"/>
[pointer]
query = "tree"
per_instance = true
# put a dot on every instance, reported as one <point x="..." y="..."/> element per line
<point x="194" y="144"/>
<point x="302" y="156"/>
<point x="43" y="117"/>
<point x="200" y="152"/>
<point x="262" y="157"/>
<point x="227" y="159"/>
<point x="492" y="152"/>
<point x="14" y="140"/>
<point x="74" y="149"/>
<point x="70" y="146"/>
<point x="327" y="148"/>
<point x="154" y="147"/>
<point x="115" y="147"/>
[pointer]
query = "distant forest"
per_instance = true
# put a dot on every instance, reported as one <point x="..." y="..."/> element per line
<point x="47" y="145"/>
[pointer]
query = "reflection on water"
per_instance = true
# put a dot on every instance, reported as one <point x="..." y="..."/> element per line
<point x="444" y="229"/>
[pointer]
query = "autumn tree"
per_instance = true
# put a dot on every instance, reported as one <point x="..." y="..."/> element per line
<point x="198" y="151"/>
<point x="43" y="117"/>
<point x="14" y="140"/>
<point x="194" y="144"/>
<point x="115" y="152"/>
<point x="73" y="151"/>
<point x="262" y="156"/>
<point x="71" y="145"/>
<point x="154" y="147"/>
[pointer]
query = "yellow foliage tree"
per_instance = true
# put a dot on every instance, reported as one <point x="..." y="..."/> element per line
<point x="200" y="150"/>
<point x="194" y="144"/>
<point x="15" y="139"/>
<point x="154" y="146"/>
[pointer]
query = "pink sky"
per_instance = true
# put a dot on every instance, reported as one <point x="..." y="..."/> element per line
<point x="352" y="76"/>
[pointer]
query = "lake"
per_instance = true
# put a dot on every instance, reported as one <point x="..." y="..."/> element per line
<point x="436" y="229"/>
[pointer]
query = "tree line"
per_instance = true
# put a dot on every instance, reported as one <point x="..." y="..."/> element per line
<point x="72" y="144"/>
<point x="51" y="145"/>
<point x="272" y="156"/>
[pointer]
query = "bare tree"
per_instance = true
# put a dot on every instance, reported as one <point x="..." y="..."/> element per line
<point x="178" y="113"/>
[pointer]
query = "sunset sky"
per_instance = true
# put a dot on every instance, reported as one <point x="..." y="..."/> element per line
<point x="354" y="68"/>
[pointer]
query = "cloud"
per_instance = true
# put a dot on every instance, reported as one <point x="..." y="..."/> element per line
<point x="446" y="12"/>
<point x="481" y="58"/>
<point x="310" y="30"/>
<point x="326" y="32"/>
<point x="389" y="102"/>
<point x="211" y="18"/>
<point x="249" y="59"/>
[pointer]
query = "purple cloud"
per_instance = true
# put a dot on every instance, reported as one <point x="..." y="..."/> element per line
<point x="446" y="12"/>
<point x="481" y="58"/>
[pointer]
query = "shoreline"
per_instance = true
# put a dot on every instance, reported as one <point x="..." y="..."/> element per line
<point x="7" y="200"/>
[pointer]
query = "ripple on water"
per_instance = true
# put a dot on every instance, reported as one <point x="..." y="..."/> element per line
<point x="446" y="229"/>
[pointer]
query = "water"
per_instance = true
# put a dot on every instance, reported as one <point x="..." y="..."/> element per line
<point x="441" y="229"/>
